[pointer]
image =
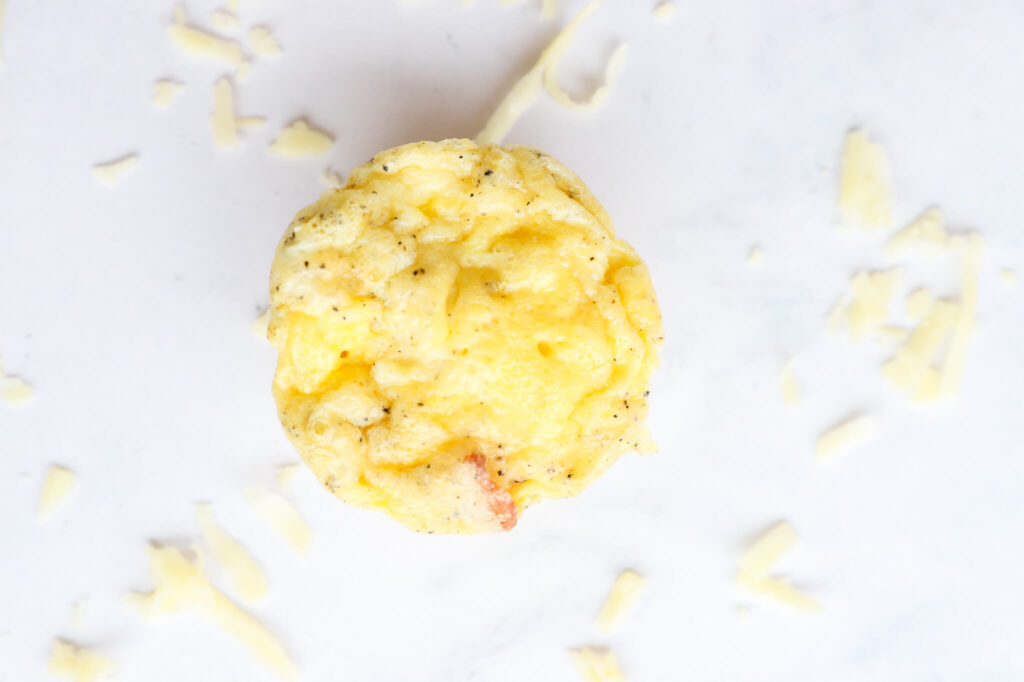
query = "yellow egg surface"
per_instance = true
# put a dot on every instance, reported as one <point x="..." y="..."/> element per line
<point x="460" y="335"/>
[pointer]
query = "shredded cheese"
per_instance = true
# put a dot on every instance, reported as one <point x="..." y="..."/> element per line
<point x="757" y="562"/>
<point x="16" y="392"/>
<point x="198" y="43"/>
<point x="164" y="92"/>
<point x="246" y="577"/>
<point x="58" y="486"/>
<point x="181" y="585"/>
<point x="789" y="386"/>
<point x="75" y="663"/>
<point x="598" y="97"/>
<point x="890" y="334"/>
<point x="872" y="293"/>
<point x="225" y="133"/>
<point x="224" y="21"/>
<point x="524" y="93"/>
<point x="110" y="173"/>
<point x="761" y="557"/>
<point x="845" y="436"/>
<point x="286" y="474"/>
<point x="907" y="370"/>
<point x="782" y="592"/>
<point x="623" y="594"/>
<point x="919" y="302"/>
<point x="263" y="43"/>
<point x="282" y="517"/>
<point x="250" y="122"/>
<point x="548" y="8"/>
<point x="330" y="178"/>
<point x="261" y="324"/>
<point x="299" y="140"/>
<point x="755" y="256"/>
<point x="1008" y="276"/>
<point x="664" y="11"/>
<point x="953" y="366"/>
<point x="595" y="664"/>
<point x="925" y="234"/>
<point x="865" y="199"/>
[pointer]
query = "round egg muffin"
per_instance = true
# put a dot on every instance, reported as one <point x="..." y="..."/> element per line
<point x="460" y="335"/>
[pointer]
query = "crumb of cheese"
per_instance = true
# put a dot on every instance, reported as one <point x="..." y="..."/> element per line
<point x="181" y="585"/>
<point x="919" y="302"/>
<point x="845" y="436"/>
<point x="872" y="293"/>
<point x="164" y="92"/>
<point x="524" y="93"/>
<point x="246" y="577"/>
<point x="300" y="140"/>
<point x="623" y="594"/>
<point x="330" y="178"/>
<point x="75" y="663"/>
<point x="282" y="517"/>
<point x="1008" y="276"/>
<point x="58" y="486"/>
<point x="110" y="173"/>
<point x="865" y="199"/>
<point x="225" y="133"/>
<point x="263" y="43"/>
<point x="15" y="391"/>
<point x="755" y="256"/>
<point x="260" y="324"/>
<point x="664" y="11"/>
<point x="224" y="21"/>
<point x="198" y="43"/>
<point x="789" y="386"/>
<point x="926" y="234"/>
<point x="286" y="473"/>
<point x="596" y="664"/>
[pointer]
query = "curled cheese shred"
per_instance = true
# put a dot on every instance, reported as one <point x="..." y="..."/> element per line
<point x="597" y="98"/>
<point x="524" y="93"/>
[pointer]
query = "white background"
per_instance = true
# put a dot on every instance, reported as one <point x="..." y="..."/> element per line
<point x="130" y="311"/>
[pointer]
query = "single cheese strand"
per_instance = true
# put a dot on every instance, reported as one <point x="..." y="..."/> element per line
<point x="596" y="665"/>
<point x="864" y="195"/>
<point x="624" y="592"/>
<point x="953" y="367"/>
<point x="180" y="585"/>
<point x="72" y="662"/>
<point x="598" y="97"/>
<point x="789" y="386"/>
<point x="282" y="517"/>
<point x="225" y="132"/>
<point x="664" y="11"/>
<point x="246" y="576"/>
<point x="845" y="436"/>
<point x="164" y="91"/>
<point x="263" y="43"/>
<point x="784" y="593"/>
<point x="110" y="173"/>
<point x="762" y="556"/>
<point x="286" y="473"/>
<point x="16" y="392"/>
<point x="199" y="43"/>
<point x="58" y="485"/>
<point x="524" y="93"/>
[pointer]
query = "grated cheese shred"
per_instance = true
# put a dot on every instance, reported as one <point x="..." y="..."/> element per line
<point x="845" y="436"/>
<point x="596" y="664"/>
<point x="282" y="517"/>
<point x="72" y="662"/>
<point x="623" y="594"/>
<point x="58" y="486"/>
<point x="247" y="578"/>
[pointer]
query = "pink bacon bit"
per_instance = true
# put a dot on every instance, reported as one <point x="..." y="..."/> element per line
<point x="498" y="499"/>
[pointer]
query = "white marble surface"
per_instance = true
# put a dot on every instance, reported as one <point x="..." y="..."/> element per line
<point x="129" y="310"/>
